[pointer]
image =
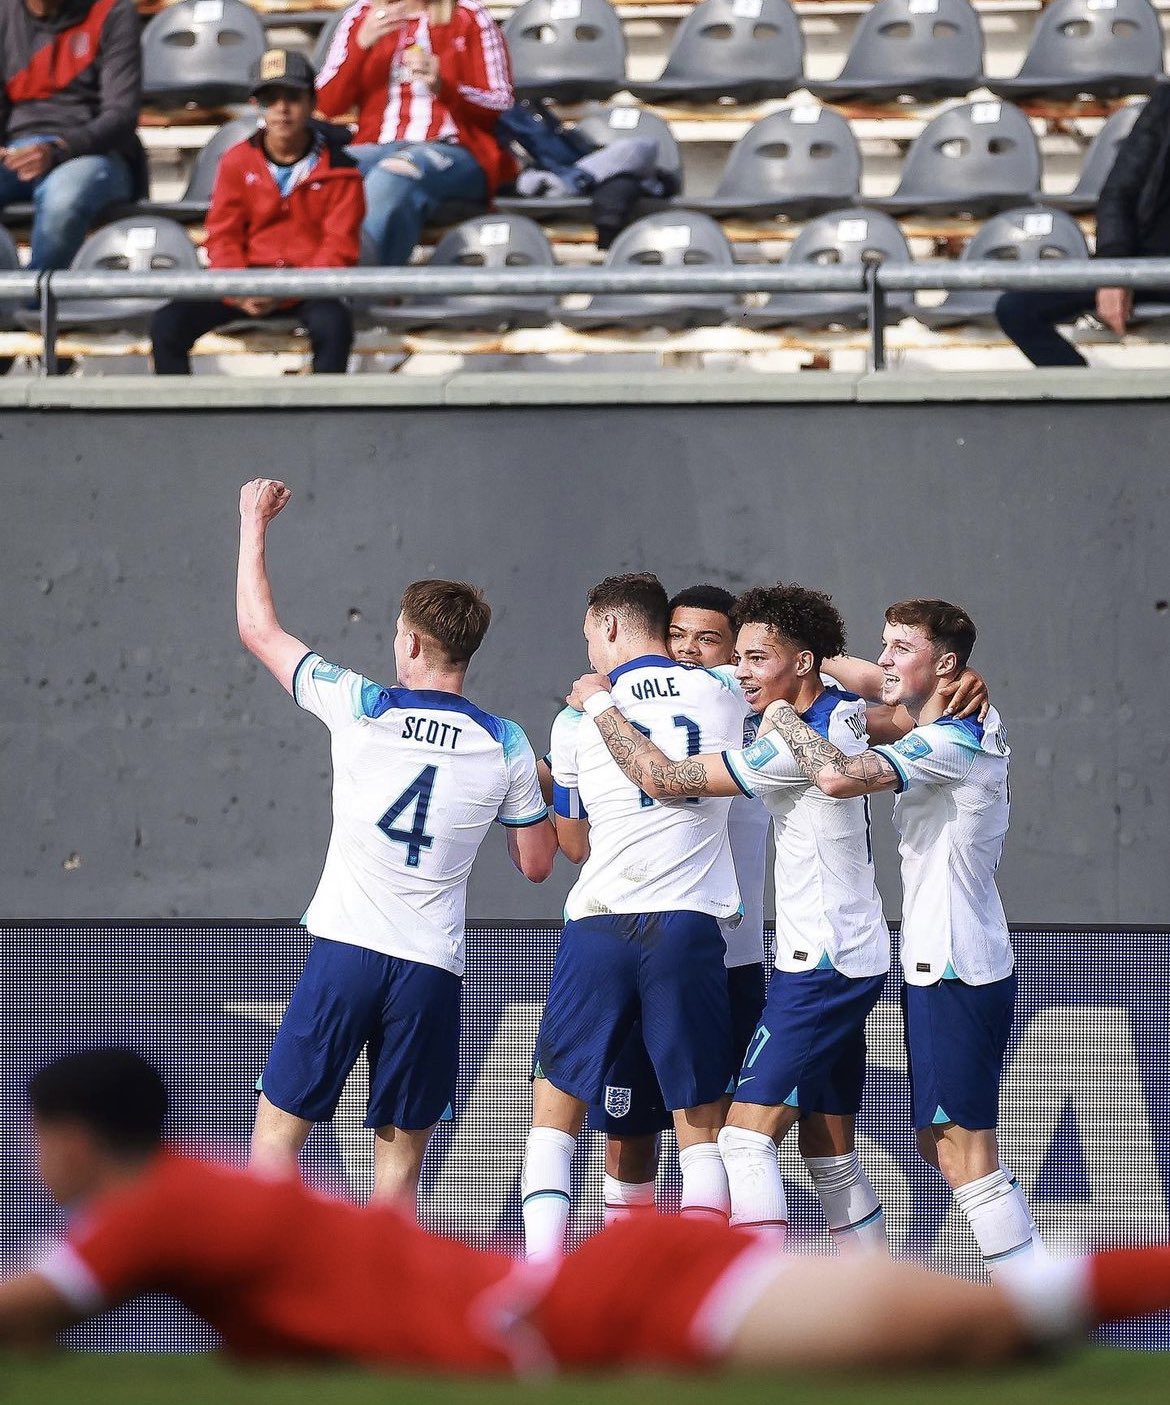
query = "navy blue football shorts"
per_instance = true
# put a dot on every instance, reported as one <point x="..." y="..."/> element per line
<point x="665" y="969"/>
<point x="404" y="1014"/>
<point x="956" y="1039"/>
<point x="633" y="1105"/>
<point x="808" y="1050"/>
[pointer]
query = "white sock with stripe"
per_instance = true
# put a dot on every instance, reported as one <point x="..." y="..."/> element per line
<point x="1018" y="1189"/>
<point x="544" y="1192"/>
<point x="998" y="1218"/>
<point x="704" y="1182"/>
<point x="856" y="1222"/>
<point x="626" y="1198"/>
<point x="758" y="1201"/>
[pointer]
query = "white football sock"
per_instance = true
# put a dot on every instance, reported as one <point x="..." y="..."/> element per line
<point x="1053" y="1297"/>
<point x="856" y="1222"/>
<point x="704" y="1182"/>
<point x="758" y="1201"/>
<point x="1014" y="1181"/>
<point x="544" y="1191"/>
<point x="626" y="1198"/>
<point x="998" y="1218"/>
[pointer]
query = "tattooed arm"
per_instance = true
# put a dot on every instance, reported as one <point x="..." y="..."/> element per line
<point x="827" y="767"/>
<point x="649" y="768"/>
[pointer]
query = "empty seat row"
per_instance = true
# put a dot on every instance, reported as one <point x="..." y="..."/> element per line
<point x="854" y="236"/>
<point x="746" y="51"/>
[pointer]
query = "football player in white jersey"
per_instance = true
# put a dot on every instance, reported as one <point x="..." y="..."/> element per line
<point x="419" y="774"/>
<point x="642" y="936"/>
<point x="806" y="1059"/>
<point x="633" y="1114"/>
<point x="951" y="812"/>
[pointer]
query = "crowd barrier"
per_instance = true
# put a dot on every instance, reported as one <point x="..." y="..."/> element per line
<point x="1085" y="1120"/>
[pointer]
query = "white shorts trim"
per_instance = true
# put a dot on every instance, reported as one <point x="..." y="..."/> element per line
<point x="734" y="1294"/>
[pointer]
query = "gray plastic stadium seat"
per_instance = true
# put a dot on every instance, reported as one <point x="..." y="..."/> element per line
<point x="671" y="239"/>
<point x="742" y="51"/>
<point x="201" y="52"/>
<point x="566" y="50"/>
<point x="797" y="162"/>
<point x="489" y="241"/>
<point x="9" y="263"/>
<point x="1026" y="235"/>
<point x="134" y="244"/>
<point x="853" y="236"/>
<point x="919" y="49"/>
<point x="975" y="158"/>
<point x="324" y="39"/>
<point x="1099" y="161"/>
<point x="603" y="125"/>
<point x="1097" y="48"/>
<point x="193" y="203"/>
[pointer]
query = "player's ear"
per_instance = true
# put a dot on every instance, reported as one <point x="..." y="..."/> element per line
<point x="611" y="627"/>
<point x="946" y="664"/>
<point x="804" y="663"/>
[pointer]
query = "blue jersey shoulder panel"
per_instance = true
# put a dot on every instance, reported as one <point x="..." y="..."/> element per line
<point x="377" y="701"/>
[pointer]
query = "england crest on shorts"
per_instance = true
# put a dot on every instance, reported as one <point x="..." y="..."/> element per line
<point x="617" y="1101"/>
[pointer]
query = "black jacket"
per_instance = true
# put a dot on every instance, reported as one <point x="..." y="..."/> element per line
<point x="77" y="76"/>
<point x="1132" y="213"/>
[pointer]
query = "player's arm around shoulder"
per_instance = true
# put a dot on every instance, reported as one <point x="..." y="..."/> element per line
<point x="824" y="764"/>
<point x="646" y="765"/>
<point x="260" y="630"/>
<point x="32" y="1310"/>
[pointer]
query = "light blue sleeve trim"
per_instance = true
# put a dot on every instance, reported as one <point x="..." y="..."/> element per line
<point x="724" y="674"/>
<point x="515" y="742"/>
<point x="891" y="757"/>
<point x="735" y="776"/>
<point x="527" y="820"/>
<point x="296" y="678"/>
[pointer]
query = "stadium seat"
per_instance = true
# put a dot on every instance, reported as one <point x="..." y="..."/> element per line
<point x="1026" y="235"/>
<point x="912" y="49"/>
<point x="976" y="158"/>
<point x="135" y="244"/>
<point x="797" y="162"/>
<point x="489" y="241"/>
<point x="742" y="51"/>
<point x="9" y="263"/>
<point x="671" y="239"/>
<point x="193" y="203"/>
<point x="852" y="236"/>
<point x="1089" y="48"/>
<point x="201" y="52"/>
<point x="1098" y="161"/>
<point x="566" y="50"/>
<point x="603" y="125"/>
<point x="324" y="39"/>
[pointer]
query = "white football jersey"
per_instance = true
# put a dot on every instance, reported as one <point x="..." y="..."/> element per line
<point x="418" y="778"/>
<point x="952" y="819"/>
<point x="748" y="825"/>
<point x="828" y="911"/>
<point x="644" y="856"/>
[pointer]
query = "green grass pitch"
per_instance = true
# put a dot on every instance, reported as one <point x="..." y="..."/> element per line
<point x="1091" y="1377"/>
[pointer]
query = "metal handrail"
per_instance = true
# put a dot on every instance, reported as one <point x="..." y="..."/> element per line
<point x="875" y="280"/>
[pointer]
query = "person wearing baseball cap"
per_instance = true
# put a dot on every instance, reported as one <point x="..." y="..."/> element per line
<point x="287" y="197"/>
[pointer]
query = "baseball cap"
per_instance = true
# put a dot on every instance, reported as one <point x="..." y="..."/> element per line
<point x="283" y="68"/>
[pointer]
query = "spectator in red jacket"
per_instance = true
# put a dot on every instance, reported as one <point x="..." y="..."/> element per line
<point x="288" y="197"/>
<point x="428" y="80"/>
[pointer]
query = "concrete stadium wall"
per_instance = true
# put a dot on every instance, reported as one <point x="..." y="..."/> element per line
<point x="149" y="769"/>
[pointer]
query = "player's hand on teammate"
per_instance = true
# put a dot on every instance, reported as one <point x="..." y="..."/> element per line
<point x="585" y="687"/>
<point x="967" y="696"/>
<point x="262" y="499"/>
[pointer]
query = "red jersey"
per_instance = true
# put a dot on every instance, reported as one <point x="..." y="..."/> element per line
<point x="280" y="1271"/>
<point x="475" y="84"/>
<point x="250" y="224"/>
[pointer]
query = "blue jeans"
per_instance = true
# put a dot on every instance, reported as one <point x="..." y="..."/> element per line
<point x="397" y="205"/>
<point x="66" y="201"/>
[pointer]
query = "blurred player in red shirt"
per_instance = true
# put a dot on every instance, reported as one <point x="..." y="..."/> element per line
<point x="428" y="80"/>
<point x="283" y="1273"/>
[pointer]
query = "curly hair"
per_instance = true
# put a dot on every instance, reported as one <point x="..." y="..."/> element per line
<point x="806" y="617"/>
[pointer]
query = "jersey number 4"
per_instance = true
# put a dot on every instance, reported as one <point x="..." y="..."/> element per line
<point x="416" y="838"/>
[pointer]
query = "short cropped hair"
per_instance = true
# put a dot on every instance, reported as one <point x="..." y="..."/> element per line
<point x="948" y="627"/>
<point x="805" y="617"/>
<point x="456" y="615"/>
<point x="114" y="1092"/>
<point x="703" y="597"/>
<point x="639" y="599"/>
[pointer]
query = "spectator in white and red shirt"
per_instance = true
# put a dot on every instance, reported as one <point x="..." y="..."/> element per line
<point x="428" y="80"/>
